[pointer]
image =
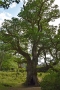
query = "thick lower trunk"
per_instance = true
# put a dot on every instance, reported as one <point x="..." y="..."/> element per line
<point x="31" y="79"/>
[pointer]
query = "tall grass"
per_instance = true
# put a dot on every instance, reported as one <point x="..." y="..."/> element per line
<point x="11" y="79"/>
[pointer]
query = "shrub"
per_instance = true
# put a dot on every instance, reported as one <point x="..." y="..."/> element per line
<point x="51" y="81"/>
<point x="9" y="79"/>
<point x="22" y="70"/>
<point x="57" y="81"/>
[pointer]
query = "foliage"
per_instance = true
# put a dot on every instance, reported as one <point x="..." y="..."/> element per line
<point x="9" y="79"/>
<point x="22" y="69"/>
<point x="3" y="87"/>
<point x="9" y="65"/>
<point x="8" y="61"/>
<point x="6" y="3"/>
<point x="32" y="31"/>
<point x="2" y="54"/>
<point x="51" y="81"/>
<point x="57" y="67"/>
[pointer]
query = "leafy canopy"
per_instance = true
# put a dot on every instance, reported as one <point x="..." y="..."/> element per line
<point x="31" y="32"/>
<point x="6" y="3"/>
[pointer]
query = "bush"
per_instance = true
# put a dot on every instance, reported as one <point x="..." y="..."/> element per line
<point x="51" y="81"/>
<point x="22" y="70"/>
<point x="9" y="79"/>
<point x="57" y="82"/>
<point x="9" y="65"/>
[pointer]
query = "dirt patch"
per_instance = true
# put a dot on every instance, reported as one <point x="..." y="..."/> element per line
<point x="26" y="88"/>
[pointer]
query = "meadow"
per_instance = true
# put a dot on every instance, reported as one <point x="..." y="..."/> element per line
<point x="10" y="79"/>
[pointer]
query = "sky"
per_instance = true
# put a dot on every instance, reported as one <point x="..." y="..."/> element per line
<point x="14" y="9"/>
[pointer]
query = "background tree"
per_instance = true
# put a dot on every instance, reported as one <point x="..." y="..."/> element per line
<point x="31" y="34"/>
<point x="20" y="61"/>
<point x="9" y="63"/>
<point x="55" y="50"/>
<point x="1" y="58"/>
<point x="6" y="3"/>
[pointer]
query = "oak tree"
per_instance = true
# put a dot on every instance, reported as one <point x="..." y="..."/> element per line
<point x="31" y="34"/>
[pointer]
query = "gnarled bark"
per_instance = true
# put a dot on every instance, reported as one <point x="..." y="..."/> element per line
<point x="32" y="79"/>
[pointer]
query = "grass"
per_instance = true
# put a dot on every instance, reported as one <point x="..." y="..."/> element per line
<point x="3" y="87"/>
<point x="11" y="79"/>
<point x="14" y="79"/>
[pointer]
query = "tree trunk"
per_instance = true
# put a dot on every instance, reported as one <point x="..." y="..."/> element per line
<point x="32" y="79"/>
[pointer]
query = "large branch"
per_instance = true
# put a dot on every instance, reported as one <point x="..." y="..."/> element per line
<point x="18" y="48"/>
<point x="23" y="53"/>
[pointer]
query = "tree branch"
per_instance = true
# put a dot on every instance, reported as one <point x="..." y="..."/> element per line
<point x="19" y="49"/>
